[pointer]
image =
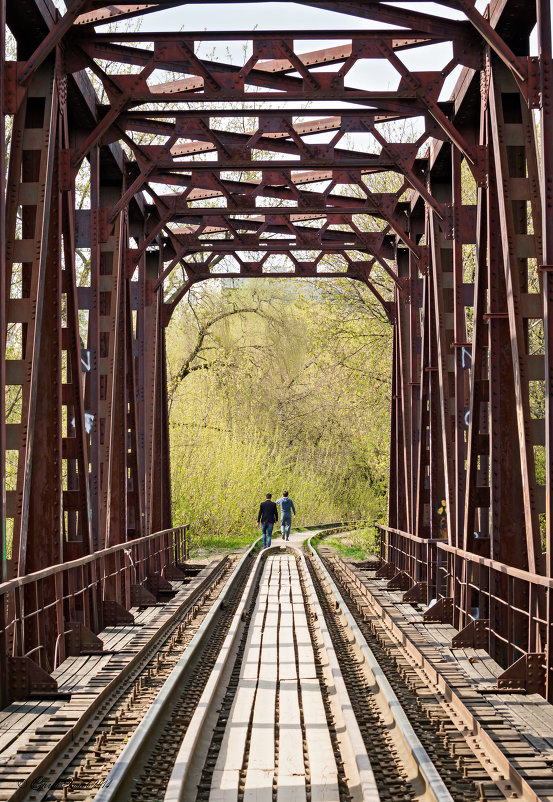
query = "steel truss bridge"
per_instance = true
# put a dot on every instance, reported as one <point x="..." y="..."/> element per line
<point x="84" y="445"/>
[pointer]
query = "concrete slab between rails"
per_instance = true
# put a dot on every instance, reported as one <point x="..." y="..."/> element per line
<point x="89" y="679"/>
<point x="357" y="764"/>
<point x="516" y="729"/>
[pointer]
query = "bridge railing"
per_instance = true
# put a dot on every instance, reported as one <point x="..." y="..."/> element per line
<point x="415" y="557"/>
<point x="499" y="607"/>
<point x="56" y="612"/>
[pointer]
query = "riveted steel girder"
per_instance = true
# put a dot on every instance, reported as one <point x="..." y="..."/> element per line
<point x="272" y="168"/>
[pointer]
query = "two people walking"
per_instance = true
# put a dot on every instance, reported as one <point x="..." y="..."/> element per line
<point x="267" y="516"/>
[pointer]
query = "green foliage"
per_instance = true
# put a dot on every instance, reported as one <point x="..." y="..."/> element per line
<point x="277" y="385"/>
<point x="356" y="545"/>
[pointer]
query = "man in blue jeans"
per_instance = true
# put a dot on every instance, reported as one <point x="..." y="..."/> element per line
<point x="286" y="510"/>
<point x="267" y="517"/>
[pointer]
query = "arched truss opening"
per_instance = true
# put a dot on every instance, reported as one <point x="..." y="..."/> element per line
<point x="406" y="145"/>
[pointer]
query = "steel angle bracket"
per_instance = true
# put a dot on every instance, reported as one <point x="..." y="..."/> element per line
<point x="475" y="635"/>
<point x="526" y="674"/>
<point x="26" y="678"/>
<point x="158" y="585"/>
<point x="440" y="613"/>
<point x="173" y="573"/>
<point x="141" y="597"/>
<point x="82" y="640"/>
<point x="400" y="581"/>
<point x="418" y="593"/>
<point x="386" y="571"/>
<point x="114" y="614"/>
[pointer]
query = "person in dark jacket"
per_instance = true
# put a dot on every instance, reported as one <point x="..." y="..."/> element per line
<point x="266" y="518"/>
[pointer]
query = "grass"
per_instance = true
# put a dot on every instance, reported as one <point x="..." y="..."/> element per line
<point x="357" y="545"/>
<point x="203" y="545"/>
<point x="218" y="544"/>
<point x="347" y="551"/>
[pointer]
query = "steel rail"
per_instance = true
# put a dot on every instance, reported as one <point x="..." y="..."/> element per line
<point x="140" y="740"/>
<point x="182" y="778"/>
<point x="55" y="762"/>
<point x="435" y="787"/>
<point x="440" y="684"/>
<point x="362" y="760"/>
<point x="179" y="786"/>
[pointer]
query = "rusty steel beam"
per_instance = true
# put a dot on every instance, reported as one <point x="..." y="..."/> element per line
<point x="4" y="697"/>
<point x="546" y="86"/>
<point x="469" y="285"/>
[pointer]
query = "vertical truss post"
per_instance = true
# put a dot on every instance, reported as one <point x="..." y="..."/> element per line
<point x="31" y="182"/>
<point x="403" y="316"/>
<point x="134" y="498"/>
<point x="461" y="352"/>
<point x="394" y="471"/>
<point x="139" y="304"/>
<point x="160" y="464"/>
<point x="461" y="349"/>
<point x="506" y="491"/>
<point x="423" y="514"/>
<point x="33" y="272"/>
<point x="442" y="280"/>
<point x="478" y="441"/>
<point x="414" y="387"/>
<point x="115" y="431"/>
<point x="45" y="526"/>
<point x="113" y="510"/>
<point x="515" y="162"/>
<point x="148" y="327"/>
<point x="430" y="474"/>
<point x="92" y="381"/>
<point x="3" y="543"/>
<point x="546" y="75"/>
<point x="75" y="450"/>
<point x="510" y="168"/>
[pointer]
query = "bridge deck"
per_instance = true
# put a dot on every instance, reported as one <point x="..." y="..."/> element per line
<point x="520" y="724"/>
<point x="279" y="655"/>
<point x="30" y="728"/>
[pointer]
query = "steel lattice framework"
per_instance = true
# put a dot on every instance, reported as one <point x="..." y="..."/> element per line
<point x="85" y="444"/>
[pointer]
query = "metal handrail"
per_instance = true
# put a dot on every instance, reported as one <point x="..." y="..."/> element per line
<point x="487" y="562"/>
<point x="58" y="568"/>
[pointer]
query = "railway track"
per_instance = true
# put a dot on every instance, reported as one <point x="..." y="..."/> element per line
<point x="469" y="760"/>
<point x="65" y="772"/>
<point x="275" y="689"/>
<point x="288" y="710"/>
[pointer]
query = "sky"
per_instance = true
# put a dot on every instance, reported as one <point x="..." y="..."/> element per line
<point x="287" y="15"/>
<point x="272" y="16"/>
